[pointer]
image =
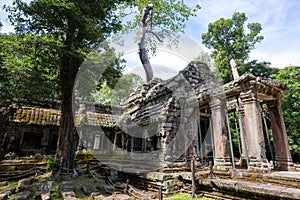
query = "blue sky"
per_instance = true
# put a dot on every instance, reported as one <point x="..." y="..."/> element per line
<point x="280" y="21"/>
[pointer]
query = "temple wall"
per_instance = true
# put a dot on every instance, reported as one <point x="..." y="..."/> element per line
<point x="163" y="118"/>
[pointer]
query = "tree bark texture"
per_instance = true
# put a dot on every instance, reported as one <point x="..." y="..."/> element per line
<point x="67" y="134"/>
<point x="142" y="49"/>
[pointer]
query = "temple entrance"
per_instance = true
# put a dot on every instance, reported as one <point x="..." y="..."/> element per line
<point x="31" y="142"/>
<point x="205" y="147"/>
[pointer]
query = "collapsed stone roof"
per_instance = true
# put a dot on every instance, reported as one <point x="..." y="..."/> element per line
<point x="37" y="116"/>
<point x="156" y="99"/>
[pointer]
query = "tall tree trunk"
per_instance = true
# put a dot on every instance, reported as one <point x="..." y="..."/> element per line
<point x="67" y="135"/>
<point x="142" y="49"/>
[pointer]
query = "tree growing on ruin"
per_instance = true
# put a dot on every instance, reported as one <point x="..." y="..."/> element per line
<point x="81" y="25"/>
<point x="146" y="16"/>
<point x="231" y="39"/>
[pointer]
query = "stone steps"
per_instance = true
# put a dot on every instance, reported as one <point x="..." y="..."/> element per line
<point x="284" y="185"/>
<point x="256" y="190"/>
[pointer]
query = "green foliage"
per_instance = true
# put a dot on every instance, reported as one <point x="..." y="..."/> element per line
<point x="103" y="95"/>
<point x="235" y="133"/>
<point x="29" y="68"/>
<point x="113" y="64"/>
<point x="291" y="106"/>
<point x="53" y="164"/>
<point x="78" y="26"/>
<point x="169" y="15"/>
<point x="9" y="185"/>
<point x="230" y="39"/>
<point x="168" y="19"/>
<point x="262" y="69"/>
<point x="101" y="68"/>
<point x="126" y="85"/>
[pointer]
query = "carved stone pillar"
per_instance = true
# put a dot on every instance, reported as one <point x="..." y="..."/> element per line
<point x="242" y="134"/>
<point x="144" y="141"/>
<point x="282" y="152"/>
<point x="254" y="132"/>
<point x="221" y="145"/>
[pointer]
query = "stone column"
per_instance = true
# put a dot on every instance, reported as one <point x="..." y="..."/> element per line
<point x="282" y="152"/>
<point x="144" y="141"/>
<point x="242" y="134"/>
<point x="254" y="132"/>
<point x="221" y="145"/>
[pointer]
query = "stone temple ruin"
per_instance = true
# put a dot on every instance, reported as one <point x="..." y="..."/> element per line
<point x="168" y="123"/>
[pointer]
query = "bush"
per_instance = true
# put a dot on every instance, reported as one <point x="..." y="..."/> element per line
<point x="53" y="164"/>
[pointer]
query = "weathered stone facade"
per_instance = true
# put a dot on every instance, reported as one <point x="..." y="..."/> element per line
<point x="171" y="121"/>
<point x="253" y="92"/>
<point x="29" y="130"/>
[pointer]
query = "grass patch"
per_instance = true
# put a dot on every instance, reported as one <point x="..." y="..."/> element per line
<point x="54" y="194"/>
<point x="9" y="185"/>
<point x="182" y="196"/>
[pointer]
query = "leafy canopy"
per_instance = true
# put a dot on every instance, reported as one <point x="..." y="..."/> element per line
<point x="261" y="69"/>
<point x="127" y="84"/>
<point x="291" y="106"/>
<point x="168" y="19"/>
<point x="28" y="70"/>
<point x="230" y="39"/>
<point x="102" y="67"/>
<point x="79" y="26"/>
<point x="82" y="23"/>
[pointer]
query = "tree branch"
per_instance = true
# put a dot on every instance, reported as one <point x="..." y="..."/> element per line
<point x="142" y="49"/>
<point x="155" y="34"/>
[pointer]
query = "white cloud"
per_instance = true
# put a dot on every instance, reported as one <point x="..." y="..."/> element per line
<point x="280" y="21"/>
<point x="3" y="17"/>
<point x="7" y="28"/>
<point x="171" y="59"/>
<point x="171" y="63"/>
